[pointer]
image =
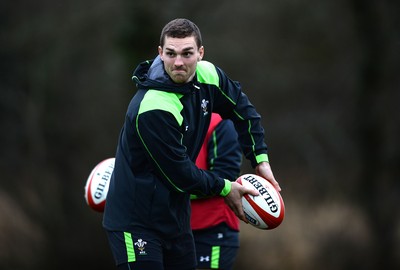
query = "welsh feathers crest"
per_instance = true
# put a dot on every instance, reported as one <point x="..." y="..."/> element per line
<point x="204" y="104"/>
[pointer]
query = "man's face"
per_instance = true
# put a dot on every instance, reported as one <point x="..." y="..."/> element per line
<point x="180" y="57"/>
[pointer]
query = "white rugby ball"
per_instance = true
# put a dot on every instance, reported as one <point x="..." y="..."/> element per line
<point x="97" y="184"/>
<point x="265" y="211"/>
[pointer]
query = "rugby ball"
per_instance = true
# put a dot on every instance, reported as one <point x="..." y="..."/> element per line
<point x="97" y="184"/>
<point x="265" y="211"/>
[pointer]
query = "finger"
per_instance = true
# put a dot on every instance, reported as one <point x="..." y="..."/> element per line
<point x="241" y="215"/>
<point x="276" y="185"/>
<point x="237" y="208"/>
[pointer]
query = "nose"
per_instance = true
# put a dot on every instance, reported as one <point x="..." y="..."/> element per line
<point x="178" y="61"/>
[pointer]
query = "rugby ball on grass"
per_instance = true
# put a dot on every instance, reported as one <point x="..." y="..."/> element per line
<point x="265" y="211"/>
<point x="97" y="184"/>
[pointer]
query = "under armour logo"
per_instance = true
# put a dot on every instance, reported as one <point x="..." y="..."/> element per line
<point x="204" y="259"/>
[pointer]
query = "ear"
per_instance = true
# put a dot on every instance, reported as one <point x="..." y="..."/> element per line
<point x="201" y="53"/>
<point x="160" y="51"/>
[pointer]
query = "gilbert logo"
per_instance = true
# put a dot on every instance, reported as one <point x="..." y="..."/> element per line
<point x="104" y="179"/>
<point x="204" y="104"/>
<point x="263" y="191"/>
<point x="140" y="244"/>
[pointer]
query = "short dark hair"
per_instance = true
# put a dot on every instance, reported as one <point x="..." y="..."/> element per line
<point x="181" y="28"/>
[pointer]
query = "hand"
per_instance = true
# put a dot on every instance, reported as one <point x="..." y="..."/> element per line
<point x="234" y="199"/>
<point x="264" y="170"/>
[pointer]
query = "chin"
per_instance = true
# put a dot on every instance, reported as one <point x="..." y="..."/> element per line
<point x="179" y="79"/>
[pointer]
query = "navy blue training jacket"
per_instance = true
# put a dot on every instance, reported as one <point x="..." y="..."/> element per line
<point x="164" y="129"/>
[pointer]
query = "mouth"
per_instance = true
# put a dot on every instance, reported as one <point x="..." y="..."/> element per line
<point x="179" y="71"/>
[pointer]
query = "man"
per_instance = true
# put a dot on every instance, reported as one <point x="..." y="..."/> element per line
<point x="215" y="227"/>
<point x="147" y="215"/>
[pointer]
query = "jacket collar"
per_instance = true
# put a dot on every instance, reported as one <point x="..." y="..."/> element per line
<point x="152" y="75"/>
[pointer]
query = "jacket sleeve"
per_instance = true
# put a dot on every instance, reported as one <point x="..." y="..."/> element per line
<point x="160" y="135"/>
<point x="224" y="153"/>
<point x="232" y="103"/>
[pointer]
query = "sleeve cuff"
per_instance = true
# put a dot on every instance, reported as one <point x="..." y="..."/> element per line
<point x="262" y="158"/>
<point x="227" y="188"/>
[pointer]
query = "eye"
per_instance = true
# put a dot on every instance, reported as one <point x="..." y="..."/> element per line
<point x="170" y="54"/>
<point x="187" y="54"/>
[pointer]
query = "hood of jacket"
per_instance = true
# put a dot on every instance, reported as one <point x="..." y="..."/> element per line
<point x="151" y="74"/>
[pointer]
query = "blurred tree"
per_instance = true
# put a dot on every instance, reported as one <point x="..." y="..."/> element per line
<point x="378" y="122"/>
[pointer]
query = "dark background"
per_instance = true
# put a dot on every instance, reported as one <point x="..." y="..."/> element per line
<point x="323" y="74"/>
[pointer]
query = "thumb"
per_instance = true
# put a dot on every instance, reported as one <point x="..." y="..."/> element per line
<point x="251" y="191"/>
